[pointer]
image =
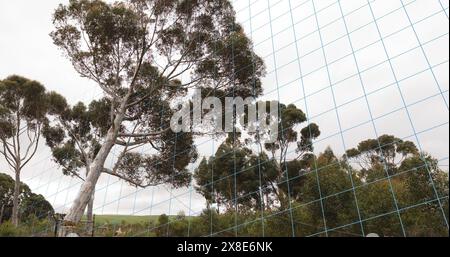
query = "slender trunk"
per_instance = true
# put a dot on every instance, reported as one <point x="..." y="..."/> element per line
<point x="87" y="188"/>
<point x="15" y="210"/>
<point x="1" y="213"/>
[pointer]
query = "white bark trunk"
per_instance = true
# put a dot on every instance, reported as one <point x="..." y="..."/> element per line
<point x="87" y="188"/>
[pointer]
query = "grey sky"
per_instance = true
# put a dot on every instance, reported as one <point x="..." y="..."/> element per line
<point x="26" y="49"/>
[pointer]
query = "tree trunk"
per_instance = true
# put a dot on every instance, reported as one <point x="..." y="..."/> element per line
<point x="87" y="188"/>
<point x="90" y="215"/>
<point x="90" y="209"/>
<point x="15" y="210"/>
<point x="1" y="213"/>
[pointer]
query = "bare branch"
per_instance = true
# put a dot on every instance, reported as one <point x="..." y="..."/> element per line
<point x="34" y="151"/>
<point x="7" y="157"/>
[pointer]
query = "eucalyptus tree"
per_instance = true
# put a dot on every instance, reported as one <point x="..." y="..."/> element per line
<point x="22" y="114"/>
<point x="290" y="117"/>
<point x="261" y="179"/>
<point x="143" y="54"/>
<point x="389" y="166"/>
<point x="292" y="150"/>
<point x="234" y="163"/>
<point x="73" y="134"/>
<point x="377" y="156"/>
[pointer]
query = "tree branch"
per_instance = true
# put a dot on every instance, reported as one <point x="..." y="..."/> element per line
<point x="137" y="184"/>
<point x="150" y="134"/>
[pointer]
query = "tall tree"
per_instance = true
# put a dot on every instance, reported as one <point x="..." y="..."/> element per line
<point x="143" y="54"/>
<point x="295" y="142"/>
<point x="22" y="114"/>
<point x="289" y="120"/>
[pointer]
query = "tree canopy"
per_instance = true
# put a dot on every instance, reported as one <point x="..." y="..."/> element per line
<point x="322" y="192"/>
<point x="143" y="55"/>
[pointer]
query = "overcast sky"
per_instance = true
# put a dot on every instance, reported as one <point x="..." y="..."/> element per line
<point x="349" y="102"/>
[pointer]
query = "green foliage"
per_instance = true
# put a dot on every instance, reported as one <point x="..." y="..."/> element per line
<point x="71" y="133"/>
<point x="20" y="95"/>
<point x="23" y="108"/>
<point x="116" y="46"/>
<point x="376" y="157"/>
<point x="174" y="227"/>
<point x="36" y="206"/>
<point x="337" y="203"/>
<point x="7" y="195"/>
<point x="216" y="177"/>
<point x="30" y="204"/>
<point x="7" y="229"/>
<point x="258" y="177"/>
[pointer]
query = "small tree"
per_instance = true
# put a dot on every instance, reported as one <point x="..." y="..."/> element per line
<point x="30" y="204"/>
<point x="137" y="51"/>
<point x="22" y="114"/>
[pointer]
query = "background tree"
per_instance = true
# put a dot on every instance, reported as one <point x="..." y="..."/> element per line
<point x="412" y="175"/>
<point x="137" y="51"/>
<point x="335" y="205"/>
<point x="36" y="206"/>
<point x="294" y="142"/>
<point x="376" y="156"/>
<point x="22" y="114"/>
<point x="339" y="207"/>
<point x="30" y="204"/>
<point x="7" y="185"/>
<point x="288" y="121"/>
<point x="259" y="177"/>
<point x="217" y="176"/>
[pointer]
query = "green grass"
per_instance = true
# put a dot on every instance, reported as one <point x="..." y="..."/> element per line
<point x="128" y="219"/>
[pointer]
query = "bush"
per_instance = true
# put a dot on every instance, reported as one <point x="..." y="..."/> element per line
<point x="7" y="229"/>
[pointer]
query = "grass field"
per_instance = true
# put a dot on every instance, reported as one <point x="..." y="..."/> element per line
<point x="119" y="219"/>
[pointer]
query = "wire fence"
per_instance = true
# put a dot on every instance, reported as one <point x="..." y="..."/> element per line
<point x="359" y="69"/>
